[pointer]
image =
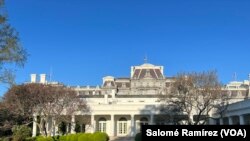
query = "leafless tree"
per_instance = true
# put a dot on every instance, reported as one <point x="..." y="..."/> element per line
<point x="194" y="95"/>
<point x="222" y="105"/>
<point x="46" y="102"/>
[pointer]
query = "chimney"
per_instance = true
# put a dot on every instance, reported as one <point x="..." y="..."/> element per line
<point x="43" y="78"/>
<point x="113" y="94"/>
<point x="33" y="78"/>
<point x="106" y="99"/>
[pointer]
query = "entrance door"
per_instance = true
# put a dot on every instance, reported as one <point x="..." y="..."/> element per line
<point x="143" y="121"/>
<point x="102" y="125"/>
<point x="122" y="125"/>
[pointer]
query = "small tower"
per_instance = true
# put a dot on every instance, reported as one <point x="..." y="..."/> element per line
<point x="33" y="78"/>
<point x="43" y="78"/>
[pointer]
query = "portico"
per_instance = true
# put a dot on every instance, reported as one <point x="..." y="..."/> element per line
<point x="123" y="119"/>
<point x="236" y="114"/>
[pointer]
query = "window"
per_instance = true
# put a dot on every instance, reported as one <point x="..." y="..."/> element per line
<point x="122" y="127"/>
<point x="102" y="124"/>
<point x="143" y="121"/>
<point x="109" y="84"/>
<point x="123" y="85"/>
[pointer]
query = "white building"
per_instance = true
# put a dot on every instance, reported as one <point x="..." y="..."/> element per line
<point x="120" y="105"/>
<point x="238" y="110"/>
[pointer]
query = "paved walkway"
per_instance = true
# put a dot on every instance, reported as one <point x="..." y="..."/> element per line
<point x="122" y="139"/>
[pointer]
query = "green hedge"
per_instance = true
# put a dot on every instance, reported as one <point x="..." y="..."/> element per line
<point x="138" y="137"/>
<point x="31" y="139"/>
<point x="98" y="136"/>
<point x="86" y="137"/>
<point x="41" y="138"/>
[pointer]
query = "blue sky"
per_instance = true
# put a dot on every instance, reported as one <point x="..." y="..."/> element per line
<point x="83" y="40"/>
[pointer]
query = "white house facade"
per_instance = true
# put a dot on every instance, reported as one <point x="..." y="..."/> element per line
<point x="121" y="105"/>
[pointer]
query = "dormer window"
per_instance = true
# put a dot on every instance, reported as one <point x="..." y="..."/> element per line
<point x="123" y="85"/>
<point x="109" y="84"/>
<point x="148" y="75"/>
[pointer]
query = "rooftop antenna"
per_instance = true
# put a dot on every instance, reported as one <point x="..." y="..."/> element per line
<point x="145" y="59"/>
<point x="235" y="76"/>
<point x="50" y="74"/>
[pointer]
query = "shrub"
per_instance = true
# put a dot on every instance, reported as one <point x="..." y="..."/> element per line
<point x="20" y="133"/>
<point x="68" y="137"/>
<point x="99" y="136"/>
<point x="85" y="137"/>
<point x="138" y="137"/>
<point x="63" y="138"/>
<point x="6" y="139"/>
<point x="30" y="139"/>
<point x="41" y="138"/>
<point x="56" y="138"/>
<point x="72" y="137"/>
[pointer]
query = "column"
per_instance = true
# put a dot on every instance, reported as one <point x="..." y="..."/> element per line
<point x="34" y="129"/>
<point x="242" y="122"/>
<point x="151" y="119"/>
<point x="137" y="126"/>
<point x="73" y="124"/>
<point x="67" y="128"/>
<point x="93" y="124"/>
<point x="221" y="121"/>
<point x="88" y="128"/>
<point x="81" y="128"/>
<point x="132" y="127"/>
<point x="56" y="130"/>
<point x="211" y="121"/>
<point x="54" y="127"/>
<point x="112" y="125"/>
<point x="47" y="125"/>
<point x="230" y="120"/>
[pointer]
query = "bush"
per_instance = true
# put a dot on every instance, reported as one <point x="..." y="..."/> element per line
<point x="30" y="139"/>
<point x="6" y="139"/>
<point x="56" y="138"/>
<point x="138" y="137"/>
<point x="85" y="137"/>
<point x="63" y="138"/>
<point x="99" y="136"/>
<point x="41" y="138"/>
<point x="20" y="133"/>
<point x="72" y="137"/>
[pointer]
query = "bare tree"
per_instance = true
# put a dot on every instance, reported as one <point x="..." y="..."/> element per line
<point x="222" y="105"/>
<point x="194" y="95"/>
<point x="46" y="102"/>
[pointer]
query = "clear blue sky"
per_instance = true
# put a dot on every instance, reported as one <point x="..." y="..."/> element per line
<point x="84" y="40"/>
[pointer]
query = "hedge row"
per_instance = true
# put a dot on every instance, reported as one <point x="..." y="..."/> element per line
<point x="138" y="137"/>
<point x="98" y="136"/>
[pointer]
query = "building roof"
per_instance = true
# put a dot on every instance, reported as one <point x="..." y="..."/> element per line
<point x="148" y="71"/>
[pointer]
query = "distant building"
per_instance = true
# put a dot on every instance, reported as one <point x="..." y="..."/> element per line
<point x="238" y="110"/>
<point x="121" y="105"/>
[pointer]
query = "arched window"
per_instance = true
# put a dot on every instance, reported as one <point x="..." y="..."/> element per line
<point x="122" y="127"/>
<point x="123" y="119"/>
<point x="102" y="125"/>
